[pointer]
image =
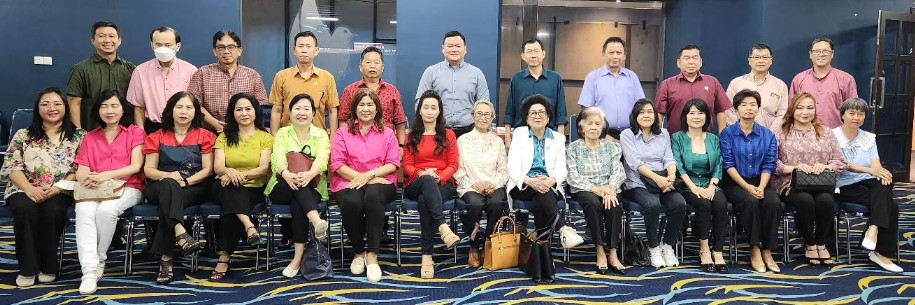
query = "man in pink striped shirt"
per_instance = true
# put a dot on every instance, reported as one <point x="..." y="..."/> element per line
<point x="829" y="86"/>
<point x="154" y="81"/>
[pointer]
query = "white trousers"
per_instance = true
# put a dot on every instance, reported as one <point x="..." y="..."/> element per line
<point x="95" y="224"/>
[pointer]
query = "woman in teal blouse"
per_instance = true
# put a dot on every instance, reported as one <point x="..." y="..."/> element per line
<point x="698" y="159"/>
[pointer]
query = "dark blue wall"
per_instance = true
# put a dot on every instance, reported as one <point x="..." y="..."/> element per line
<point x="62" y="29"/>
<point x="421" y="26"/>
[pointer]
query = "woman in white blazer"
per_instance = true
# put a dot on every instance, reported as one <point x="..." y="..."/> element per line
<point x="537" y="167"/>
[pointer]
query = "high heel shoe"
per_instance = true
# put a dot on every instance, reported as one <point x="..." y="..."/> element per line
<point x="166" y="272"/>
<point x="709" y="268"/>
<point x="814" y="259"/>
<point x="253" y="239"/>
<point x="825" y="259"/>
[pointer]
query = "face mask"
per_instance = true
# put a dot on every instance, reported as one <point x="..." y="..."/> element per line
<point x="164" y="54"/>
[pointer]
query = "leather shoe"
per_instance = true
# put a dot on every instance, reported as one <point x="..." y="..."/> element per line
<point x="473" y="258"/>
<point x="891" y="267"/>
<point x="618" y="270"/>
<point x="721" y="268"/>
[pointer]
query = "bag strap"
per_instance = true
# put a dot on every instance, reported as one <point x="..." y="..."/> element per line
<point x="549" y="231"/>
<point x="501" y="220"/>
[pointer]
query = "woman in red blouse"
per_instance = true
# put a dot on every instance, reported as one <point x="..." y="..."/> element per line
<point x="430" y="159"/>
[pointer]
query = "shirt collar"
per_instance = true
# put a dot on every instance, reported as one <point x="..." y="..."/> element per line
<point x="361" y="84"/>
<point x="527" y="73"/>
<point x="101" y="129"/>
<point x="604" y="70"/>
<point x="98" y="58"/>
<point x="460" y="66"/>
<point x="814" y="74"/>
<point x="548" y="134"/>
<point x="680" y="76"/>
<point x="314" y="72"/>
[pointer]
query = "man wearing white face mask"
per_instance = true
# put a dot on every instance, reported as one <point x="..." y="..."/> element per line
<point x="154" y="81"/>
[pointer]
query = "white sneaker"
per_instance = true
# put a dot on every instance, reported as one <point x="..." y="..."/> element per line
<point x="654" y="255"/>
<point x="357" y="267"/>
<point x="891" y="267"/>
<point x="373" y="272"/>
<point x="669" y="255"/>
<point x="46" y="278"/>
<point x="25" y="281"/>
<point x="88" y="285"/>
<point x="321" y="230"/>
<point x="569" y="238"/>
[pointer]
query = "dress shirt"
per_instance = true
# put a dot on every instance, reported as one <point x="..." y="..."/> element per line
<point x="99" y="156"/>
<point x="287" y="140"/>
<point x="392" y="112"/>
<point x="655" y="153"/>
<point x="321" y="86"/>
<point x="615" y="95"/>
<point x="676" y="91"/>
<point x="363" y="153"/>
<point x="95" y="74"/>
<point x="459" y="88"/>
<point x="151" y="88"/>
<point x="751" y="154"/>
<point x="773" y="92"/>
<point x="213" y="86"/>
<point x="523" y="85"/>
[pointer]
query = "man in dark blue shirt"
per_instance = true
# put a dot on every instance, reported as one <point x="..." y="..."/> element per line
<point x="534" y="80"/>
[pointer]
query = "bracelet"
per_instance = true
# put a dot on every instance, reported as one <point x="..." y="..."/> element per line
<point x="185" y="182"/>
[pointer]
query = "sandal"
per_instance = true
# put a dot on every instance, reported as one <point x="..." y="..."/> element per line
<point x="188" y="244"/>
<point x="448" y="237"/>
<point x="166" y="273"/>
<point x="218" y="276"/>
<point x="427" y="271"/>
<point x="825" y="259"/>
<point x="812" y="259"/>
<point x="253" y="239"/>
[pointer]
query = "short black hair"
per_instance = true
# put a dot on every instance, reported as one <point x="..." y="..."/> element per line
<point x="165" y="29"/>
<point x="305" y="34"/>
<point x="219" y="35"/>
<point x="612" y="40"/>
<point x="745" y="93"/>
<point x="371" y="49"/>
<point x="832" y="46"/>
<point x="126" y="117"/>
<point x="168" y="118"/>
<point x="536" y="99"/>
<point x="530" y="41"/>
<point x="634" y="115"/>
<point x="105" y="24"/>
<point x="303" y="96"/>
<point x="760" y="47"/>
<point x="454" y="34"/>
<point x="702" y="107"/>
<point x="689" y="47"/>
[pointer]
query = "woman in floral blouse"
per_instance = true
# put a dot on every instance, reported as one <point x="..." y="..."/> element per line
<point x="37" y="158"/>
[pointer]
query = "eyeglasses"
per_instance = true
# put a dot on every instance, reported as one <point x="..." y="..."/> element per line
<point x="537" y="114"/>
<point x="483" y="115"/>
<point x="760" y="57"/>
<point x="820" y="52"/>
<point x="222" y="48"/>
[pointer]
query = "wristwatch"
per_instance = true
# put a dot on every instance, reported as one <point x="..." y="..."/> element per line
<point x="373" y="174"/>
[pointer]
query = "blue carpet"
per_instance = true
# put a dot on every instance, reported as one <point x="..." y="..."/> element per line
<point x="799" y="283"/>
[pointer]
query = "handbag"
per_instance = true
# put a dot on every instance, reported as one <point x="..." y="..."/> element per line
<point x="301" y="161"/>
<point x="186" y="160"/>
<point x="636" y="253"/>
<point x="822" y="182"/>
<point x="535" y="257"/>
<point x="650" y="184"/>
<point x="107" y="190"/>
<point x="501" y="248"/>
<point x="316" y="263"/>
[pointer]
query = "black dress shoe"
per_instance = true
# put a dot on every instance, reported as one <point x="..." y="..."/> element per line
<point x="619" y="271"/>
<point x="708" y="268"/>
<point x="601" y="270"/>
<point x="722" y="268"/>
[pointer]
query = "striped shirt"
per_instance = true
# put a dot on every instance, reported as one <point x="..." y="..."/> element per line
<point x="213" y="86"/>
<point x="752" y="154"/>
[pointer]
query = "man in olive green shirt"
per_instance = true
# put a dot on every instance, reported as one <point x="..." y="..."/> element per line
<point x="103" y="70"/>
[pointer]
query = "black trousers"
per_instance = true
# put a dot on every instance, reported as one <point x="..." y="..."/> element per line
<point x="651" y="212"/>
<point x="363" y="212"/>
<point x="460" y="131"/>
<point x="711" y="217"/>
<point x="150" y="127"/>
<point x="494" y="205"/>
<point x="431" y="196"/>
<point x="605" y="225"/>
<point x="884" y="211"/>
<point x="301" y="202"/>
<point x="545" y="207"/>
<point x="37" y="228"/>
<point x="816" y="215"/>
<point x="234" y="200"/>
<point x="172" y="200"/>
<point x="760" y="217"/>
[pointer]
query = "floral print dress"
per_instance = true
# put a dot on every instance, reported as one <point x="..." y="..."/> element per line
<point x="42" y="162"/>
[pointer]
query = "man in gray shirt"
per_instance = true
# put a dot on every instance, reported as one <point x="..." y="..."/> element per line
<point x="460" y="84"/>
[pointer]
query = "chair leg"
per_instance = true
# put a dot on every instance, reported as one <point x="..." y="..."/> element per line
<point x="60" y="255"/>
<point x="787" y="243"/>
<point x="453" y="225"/>
<point x="398" y="222"/>
<point x="847" y="237"/>
<point x="127" y="246"/>
<point x="835" y="232"/>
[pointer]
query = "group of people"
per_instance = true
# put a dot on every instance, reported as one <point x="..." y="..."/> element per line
<point x="178" y="135"/>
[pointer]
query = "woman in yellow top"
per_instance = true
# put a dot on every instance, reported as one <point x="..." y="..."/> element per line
<point x="242" y="164"/>
<point x="294" y="188"/>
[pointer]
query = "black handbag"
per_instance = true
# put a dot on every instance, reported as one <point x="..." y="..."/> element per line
<point x="316" y="263"/>
<point x="823" y="182"/>
<point x="535" y="257"/>
<point x="652" y="186"/>
<point x="636" y="253"/>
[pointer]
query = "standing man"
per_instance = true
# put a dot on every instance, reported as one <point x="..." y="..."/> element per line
<point x="392" y="114"/>
<point x="101" y="71"/>
<point x="675" y="91"/>
<point x="154" y="81"/>
<point x="771" y="89"/>
<point x="308" y="79"/>
<point x="612" y="88"/>
<point x="829" y="86"/>
<point x="215" y="83"/>
<point x="534" y="80"/>
<point x="460" y="84"/>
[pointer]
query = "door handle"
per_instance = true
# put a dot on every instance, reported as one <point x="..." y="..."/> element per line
<point x="873" y="98"/>
<point x="882" y="92"/>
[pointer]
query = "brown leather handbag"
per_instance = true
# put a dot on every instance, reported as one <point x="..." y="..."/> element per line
<point x="501" y="249"/>
<point x="301" y="161"/>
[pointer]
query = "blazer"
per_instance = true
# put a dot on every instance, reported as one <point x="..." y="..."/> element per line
<point x="521" y="159"/>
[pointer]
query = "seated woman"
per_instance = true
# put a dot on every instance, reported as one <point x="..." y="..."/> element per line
<point x="805" y="145"/>
<point x="698" y="157"/>
<point x="650" y="175"/>
<point x="430" y="159"/>
<point x="37" y="158"/>
<point x="537" y="168"/>
<point x="298" y="189"/>
<point x="748" y="154"/>
<point x="242" y="164"/>
<point x="179" y="165"/>
<point x="113" y="151"/>
<point x="867" y="182"/>
<point x="481" y="177"/>
<point x="364" y="156"/>
<point x="595" y="178"/>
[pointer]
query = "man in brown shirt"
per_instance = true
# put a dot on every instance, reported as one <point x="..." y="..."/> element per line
<point x="103" y="70"/>
<point x="308" y="79"/>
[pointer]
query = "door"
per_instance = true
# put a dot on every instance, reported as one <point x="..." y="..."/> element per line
<point x="892" y="92"/>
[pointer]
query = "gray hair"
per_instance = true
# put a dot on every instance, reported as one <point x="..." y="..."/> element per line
<point x="589" y="112"/>
<point x="855" y="103"/>
<point x="484" y="102"/>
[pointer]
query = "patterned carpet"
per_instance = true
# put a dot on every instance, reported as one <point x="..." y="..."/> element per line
<point x="799" y="283"/>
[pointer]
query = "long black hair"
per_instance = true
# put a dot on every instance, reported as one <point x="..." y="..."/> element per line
<point x="231" y="130"/>
<point x="36" y="130"/>
<point x="168" y="117"/>
<point x="416" y="134"/>
<point x="126" y="117"/>
<point x="633" y="117"/>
